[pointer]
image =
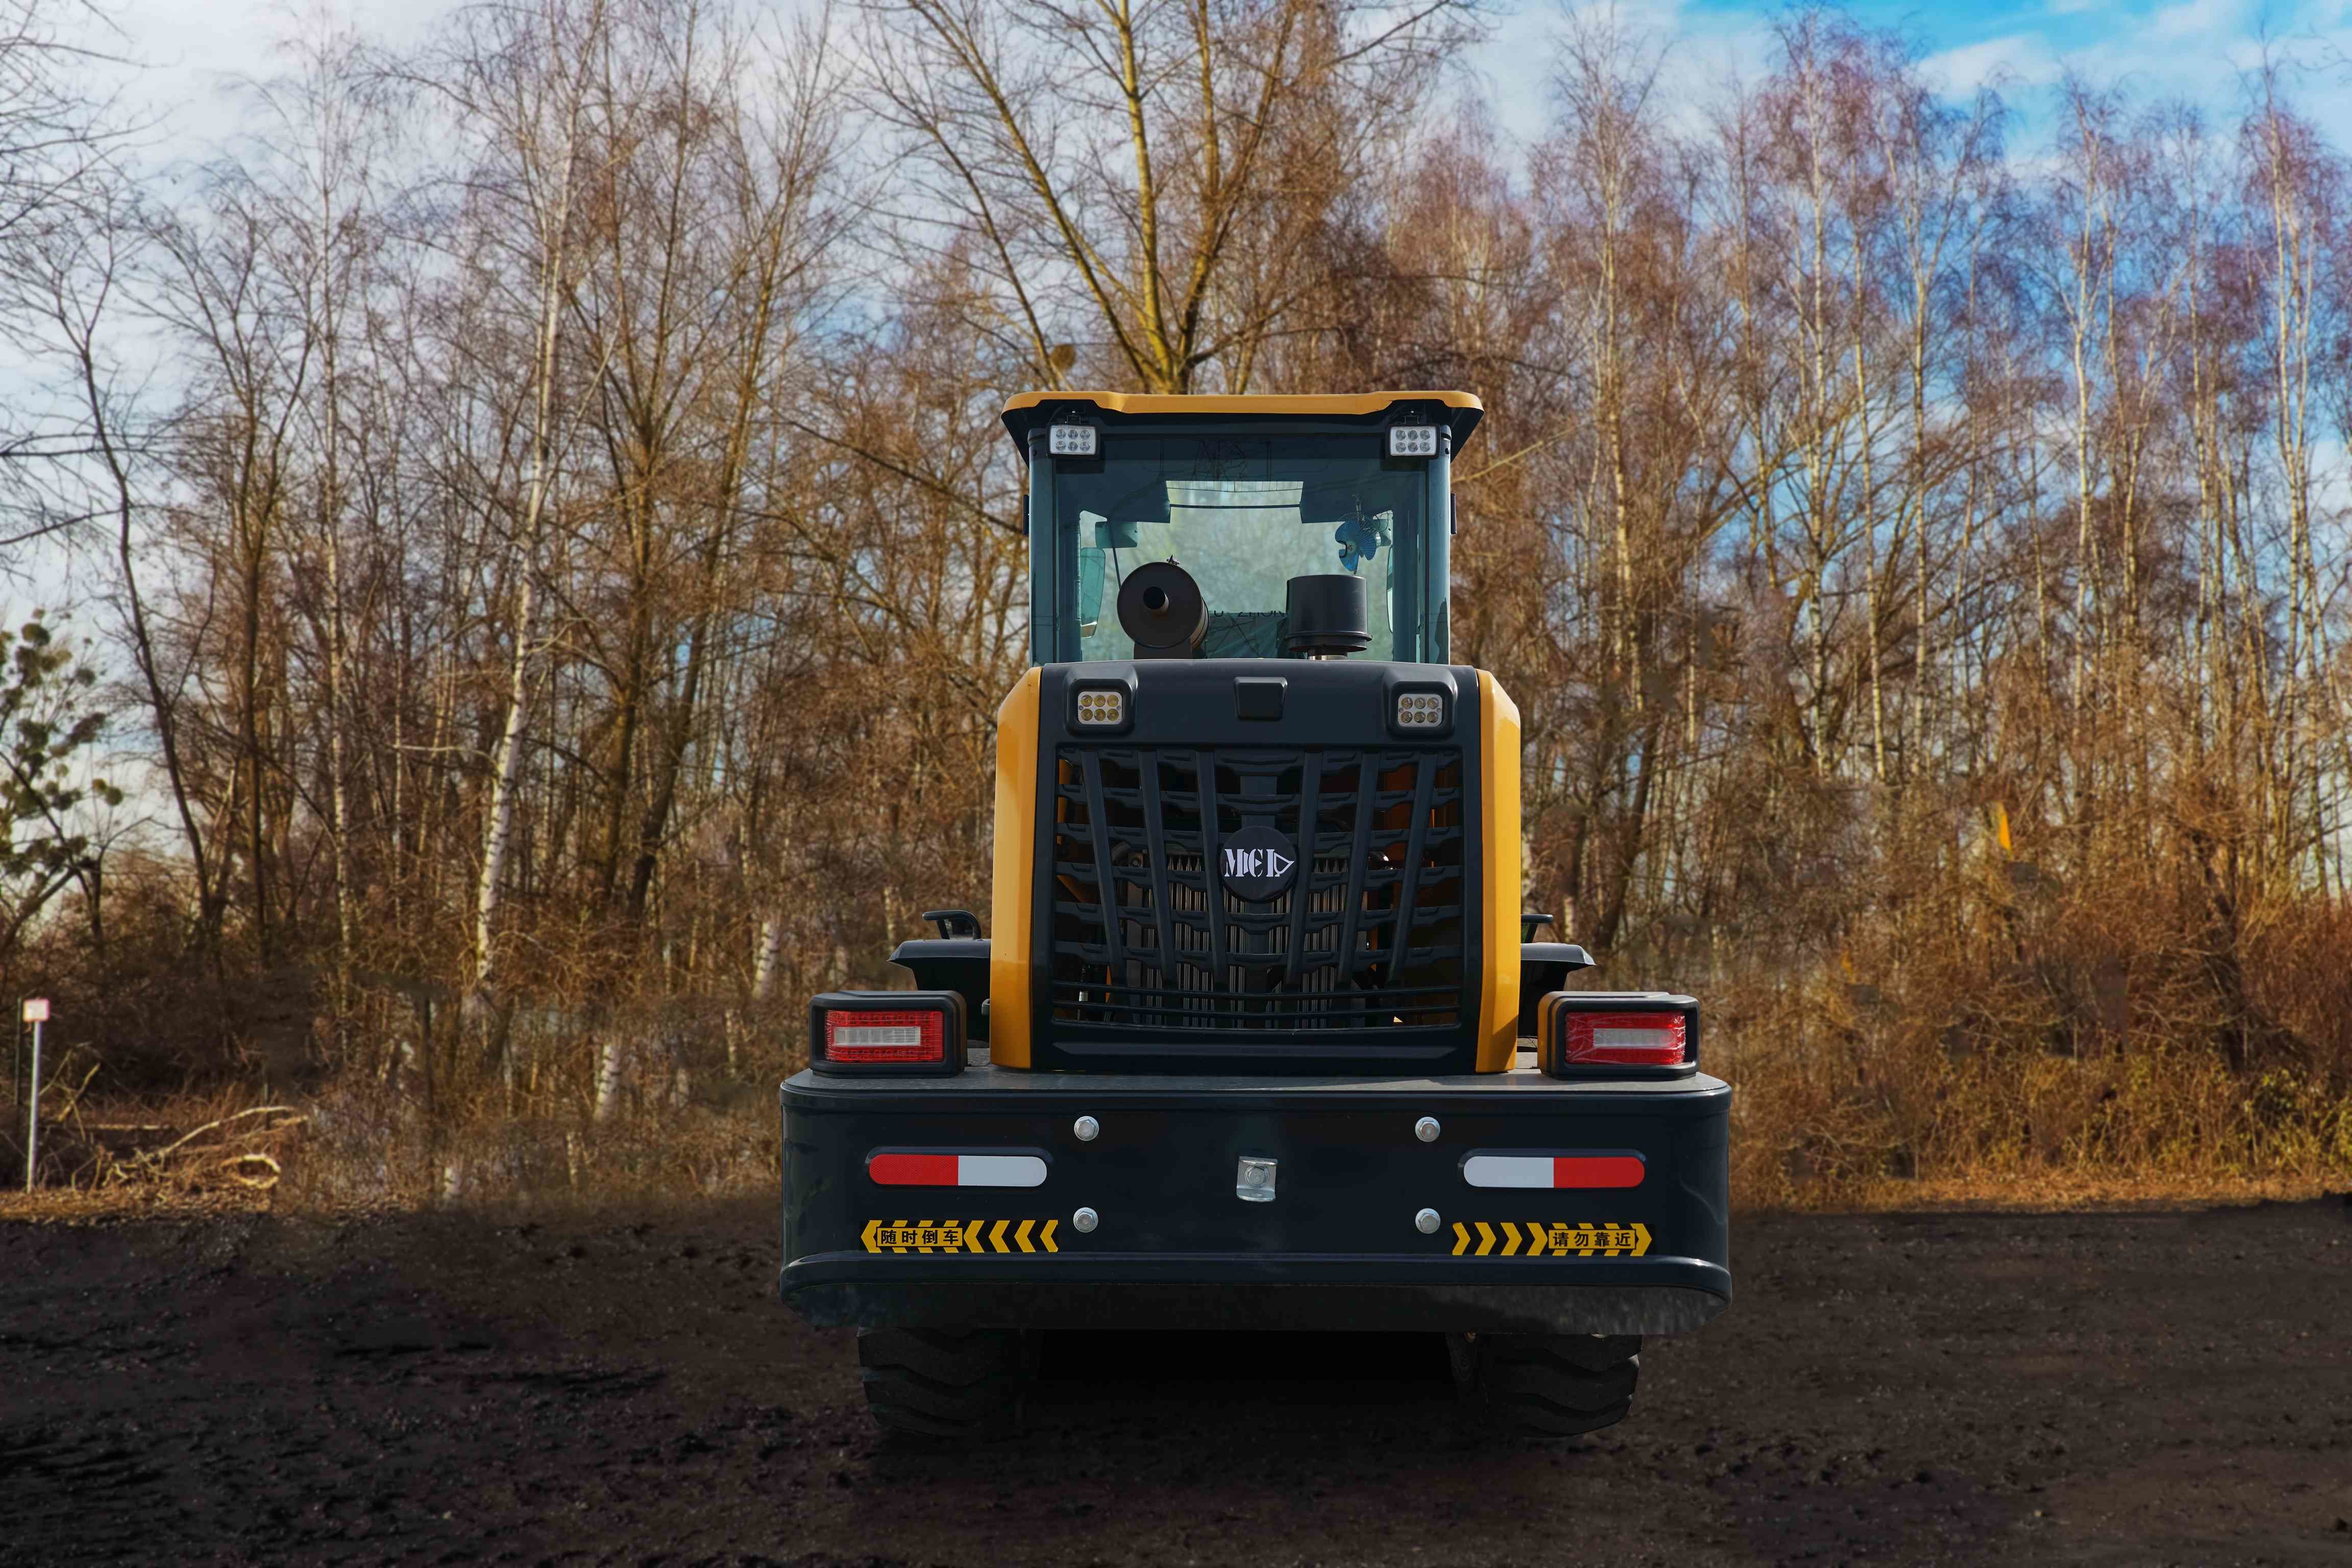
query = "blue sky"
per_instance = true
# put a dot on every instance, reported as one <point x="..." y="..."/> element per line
<point x="2197" y="49"/>
<point x="2194" y="48"/>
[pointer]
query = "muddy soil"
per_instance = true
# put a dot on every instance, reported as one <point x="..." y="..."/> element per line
<point x="1971" y="1387"/>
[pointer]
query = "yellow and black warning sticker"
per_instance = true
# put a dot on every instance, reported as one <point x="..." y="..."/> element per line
<point x="1551" y="1238"/>
<point x="959" y="1236"/>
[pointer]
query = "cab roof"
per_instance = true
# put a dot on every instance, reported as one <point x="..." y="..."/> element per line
<point x="1028" y="410"/>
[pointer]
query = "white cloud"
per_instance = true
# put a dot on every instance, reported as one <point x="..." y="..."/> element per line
<point x="1704" y="49"/>
<point x="2018" y="59"/>
<point x="2204" y="49"/>
<point x="2198" y="50"/>
<point x="1513" y="68"/>
<point x="191" y="54"/>
<point x="2195" y="20"/>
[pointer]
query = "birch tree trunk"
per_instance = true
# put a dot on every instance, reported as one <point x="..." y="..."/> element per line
<point x="550" y="173"/>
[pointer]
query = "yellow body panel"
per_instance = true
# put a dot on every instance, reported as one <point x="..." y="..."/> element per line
<point x="1499" y="851"/>
<point x="1169" y="403"/>
<point x="1009" y="977"/>
<point x="1017" y="873"/>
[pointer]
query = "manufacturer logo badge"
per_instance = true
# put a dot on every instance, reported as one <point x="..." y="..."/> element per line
<point x="1258" y="863"/>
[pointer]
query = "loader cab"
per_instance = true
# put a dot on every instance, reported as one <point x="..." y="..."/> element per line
<point x="1245" y="495"/>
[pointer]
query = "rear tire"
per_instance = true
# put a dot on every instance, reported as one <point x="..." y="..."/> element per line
<point x="942" y="1383"/>
<point x="1558" y="1386"/>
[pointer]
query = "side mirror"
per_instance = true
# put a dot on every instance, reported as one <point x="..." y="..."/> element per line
<point x="953" y="923"/>
<point x="1545" y="967"/>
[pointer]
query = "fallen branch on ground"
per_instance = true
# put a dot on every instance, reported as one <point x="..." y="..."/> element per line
<point x="231" y="1146"/>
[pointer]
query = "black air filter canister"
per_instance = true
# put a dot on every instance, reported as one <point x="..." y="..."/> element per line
<point x="1327" y="615"/>
<point x="1160" y="607"/>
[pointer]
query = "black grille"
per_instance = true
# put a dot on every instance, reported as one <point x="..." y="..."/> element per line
<point x="1369" y="935"/>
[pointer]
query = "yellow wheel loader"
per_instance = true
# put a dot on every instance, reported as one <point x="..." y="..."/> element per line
<point x="1257" y="1036"/>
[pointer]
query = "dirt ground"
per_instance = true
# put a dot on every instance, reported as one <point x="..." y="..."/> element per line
<point x="1951" y="1388"/>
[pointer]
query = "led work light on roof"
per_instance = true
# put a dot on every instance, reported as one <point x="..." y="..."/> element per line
<point x="1412" y="440"/>
<point x="1071" y="440"/>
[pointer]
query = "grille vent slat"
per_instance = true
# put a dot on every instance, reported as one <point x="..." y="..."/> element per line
<point x="1424" y="775"/>
<point x="1370" y="934"/>
<point x="1302" y="891"/>
<point x="1359" y="852"/>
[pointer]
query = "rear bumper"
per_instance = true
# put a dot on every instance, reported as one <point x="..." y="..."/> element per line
<point x="1174" y="1246"/>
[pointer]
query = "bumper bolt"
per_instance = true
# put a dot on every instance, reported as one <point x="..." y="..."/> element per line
<point x="1426" y="1222"/>
<point x="1087" y="1127"/>
<point x="1427" y="1129"/>
<point x="1084" y="1221"/>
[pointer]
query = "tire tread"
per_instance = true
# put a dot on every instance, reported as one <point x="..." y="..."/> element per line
<point x="941" y="1383"/>
<point x="1560" y="1386"/>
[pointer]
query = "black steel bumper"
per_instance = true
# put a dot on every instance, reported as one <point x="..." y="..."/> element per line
<point x="1173" y="1245"/>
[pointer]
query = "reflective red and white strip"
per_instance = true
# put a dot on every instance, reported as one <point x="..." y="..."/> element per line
<point x="1547" y="1170"/>
<point x="910" y="1168"/>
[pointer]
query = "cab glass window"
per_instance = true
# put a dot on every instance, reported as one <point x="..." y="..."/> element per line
<point x="1244" y="514"/>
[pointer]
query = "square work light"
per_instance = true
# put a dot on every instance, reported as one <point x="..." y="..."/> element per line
<point x="1102" y="707"/>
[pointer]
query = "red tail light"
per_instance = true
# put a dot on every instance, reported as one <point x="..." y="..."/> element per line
<point x="1648" y="1034"/>
<point x="887" y="1032"/>
<point x="899" y="1036"/>
<point x="1625" y="1040"/>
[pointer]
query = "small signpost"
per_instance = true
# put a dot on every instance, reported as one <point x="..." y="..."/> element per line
<point x="37" y="1012"/>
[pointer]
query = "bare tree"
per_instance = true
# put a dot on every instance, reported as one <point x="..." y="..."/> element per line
<point x="1172" y="166"/>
